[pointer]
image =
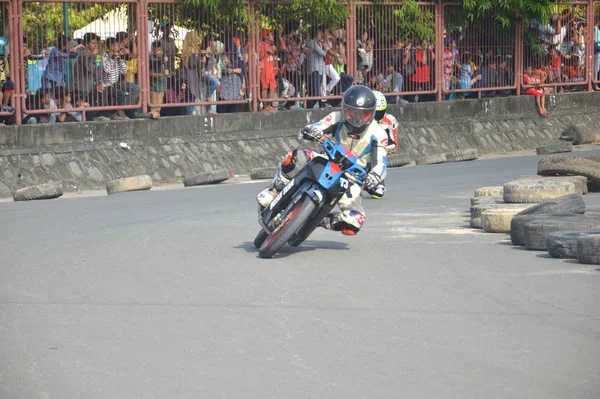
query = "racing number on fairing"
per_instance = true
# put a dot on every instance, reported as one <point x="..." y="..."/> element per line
<point x="344" y="183"/>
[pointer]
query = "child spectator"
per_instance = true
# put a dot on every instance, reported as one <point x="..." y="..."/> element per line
<point x="173" y="96"/>
<point x="531" y="78"/>
<point x="49" y="104"/>
<point x="158" y="77"/>
<point x="465" y="74"/>
<point x="65" y="101"/>
<point x="554" y="74"/>
<point x="268" y="83"/>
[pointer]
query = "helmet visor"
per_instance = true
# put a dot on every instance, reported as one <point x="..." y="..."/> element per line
<point x="358" y="117"/>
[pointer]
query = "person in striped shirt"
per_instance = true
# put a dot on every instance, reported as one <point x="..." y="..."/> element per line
<point x="112" y="67"/>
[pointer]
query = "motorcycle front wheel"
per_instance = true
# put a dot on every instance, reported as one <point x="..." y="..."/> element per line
<point x="292" y="222"/>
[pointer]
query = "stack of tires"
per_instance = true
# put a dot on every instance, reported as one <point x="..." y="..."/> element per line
<point x="547" y="212"/>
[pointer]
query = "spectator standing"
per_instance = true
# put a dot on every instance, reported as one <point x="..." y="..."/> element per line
<point x="127" y="92"/>
<point x="292" y="59"/>
<point x="232" y="80"/>
<point x="56" y="69"/>
<point x="449" y="59"/>
<point x="364" y="47"/>
<point x="330" y="72"/>
<point x="159" y="70"/>
<point x="194" y="60"/>
<point x="213" y="72"/>
<point x="268" y="83"/>
<point x="167" y="43"/>
<point x="112" y="67"/>
<point x="339" y="63"/>
<point x="596" y="52"/>
<point x="424" y="54"/>
<point x="315" y="65"/>
<point x="489" y="76"/>
<point x="465" y="74"/>
<point x="85" y="69"/>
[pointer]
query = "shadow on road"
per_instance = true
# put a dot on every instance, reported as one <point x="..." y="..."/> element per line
<point x="306" y="246"/>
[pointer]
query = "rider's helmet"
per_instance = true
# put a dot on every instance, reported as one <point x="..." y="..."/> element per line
<point x="358" y="109"/>
<point x="381" y="105"/>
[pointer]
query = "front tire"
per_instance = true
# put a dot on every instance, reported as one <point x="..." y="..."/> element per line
<point x="293" y="222"/>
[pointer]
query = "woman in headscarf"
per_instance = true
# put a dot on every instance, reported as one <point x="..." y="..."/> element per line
<point x="194" y="60"/>
<point x="232" y="78"/>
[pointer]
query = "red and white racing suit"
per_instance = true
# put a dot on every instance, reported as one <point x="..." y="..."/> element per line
<point x="390" y="125"/>
<point x="370" y="149"/>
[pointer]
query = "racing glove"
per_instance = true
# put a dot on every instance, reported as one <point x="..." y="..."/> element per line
<point x="372" y="181"/>
<point x="311" y="133"/>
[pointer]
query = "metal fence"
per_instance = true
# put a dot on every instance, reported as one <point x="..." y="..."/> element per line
<point x="82" y="60"/>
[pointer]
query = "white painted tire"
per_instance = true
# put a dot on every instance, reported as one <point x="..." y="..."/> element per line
<point x="536" y="191"/>
<point x="496" y="191"/>
<point x="134" y="183"/>
<point x="498" y="220"/>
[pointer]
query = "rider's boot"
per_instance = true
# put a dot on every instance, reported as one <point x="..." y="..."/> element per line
<point x="335" y="222"/>
<point x="378" y="192"/>
<point x="266" y="196"/>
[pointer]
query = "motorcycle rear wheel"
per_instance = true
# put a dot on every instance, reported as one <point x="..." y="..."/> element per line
<point x="260" y="239"/>
<point x="292" y="222"/>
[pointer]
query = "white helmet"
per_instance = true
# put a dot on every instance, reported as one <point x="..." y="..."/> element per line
<point x="381" y="105"/>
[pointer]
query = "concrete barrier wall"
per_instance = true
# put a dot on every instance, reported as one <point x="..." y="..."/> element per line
<point x="87" y="155"/>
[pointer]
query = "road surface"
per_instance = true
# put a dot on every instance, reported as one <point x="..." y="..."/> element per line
<point x="161" y="294"/>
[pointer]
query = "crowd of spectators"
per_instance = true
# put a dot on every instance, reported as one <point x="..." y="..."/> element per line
<point x="293" y="62"/>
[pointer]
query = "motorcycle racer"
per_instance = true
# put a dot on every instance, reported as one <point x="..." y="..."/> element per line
<point x="390" y="125"/>
<point x="355" y="128"/>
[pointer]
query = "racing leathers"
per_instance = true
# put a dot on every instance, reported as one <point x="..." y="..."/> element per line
<point x="369" y="148"/>
<point x="389" y="124"/>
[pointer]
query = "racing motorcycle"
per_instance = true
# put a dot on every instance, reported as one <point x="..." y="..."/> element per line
<point x="308" y="198"/>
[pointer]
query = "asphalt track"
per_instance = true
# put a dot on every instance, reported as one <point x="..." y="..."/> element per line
<point x="161" y="294"/>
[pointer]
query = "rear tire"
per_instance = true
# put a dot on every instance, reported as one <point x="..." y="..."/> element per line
<point x="293" y="223"/>
<point x="260" y="239"/>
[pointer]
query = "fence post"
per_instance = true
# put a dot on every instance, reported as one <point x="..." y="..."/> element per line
<point x="253" y="42"/>
<point x="351" y="40"/>
<point x="439" y="49"/>
<point x="518" y="57"/>
<point x="143" y="65"/>
<point x="16" y="59"/>
<point x="589" y="46"/>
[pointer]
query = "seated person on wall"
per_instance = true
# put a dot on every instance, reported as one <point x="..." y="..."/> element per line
<point x="354" y="127"/>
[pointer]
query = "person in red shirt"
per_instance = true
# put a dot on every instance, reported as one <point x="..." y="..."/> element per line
<point x="555" y="64"/>
<point x="267" y="53"/>
<point x="530" y="78"/>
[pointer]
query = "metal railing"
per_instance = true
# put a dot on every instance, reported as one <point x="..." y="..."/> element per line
<point x="137" y="58"/>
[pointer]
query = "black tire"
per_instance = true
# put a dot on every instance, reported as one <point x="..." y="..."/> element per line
<point x="311" y="225"/>
<point x="263" y="173"/>
<point x="397" y="160"/>
<point x="536" y="232"/>
<point x="568" y="205"/>
<point x="462" y="155"/>
<point x="564" y="146"/>
<point x="563" y="244"/>
<point x="39" y="192"/>
<point x="205" y="178"/>
<point x="260" y="239"/>
<point x="572" y="203"/>
<point x="517" y="227"/>
<point x="588" y="249"/>
<point x="564" y="165"/>
<point x="292" y="223"/>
